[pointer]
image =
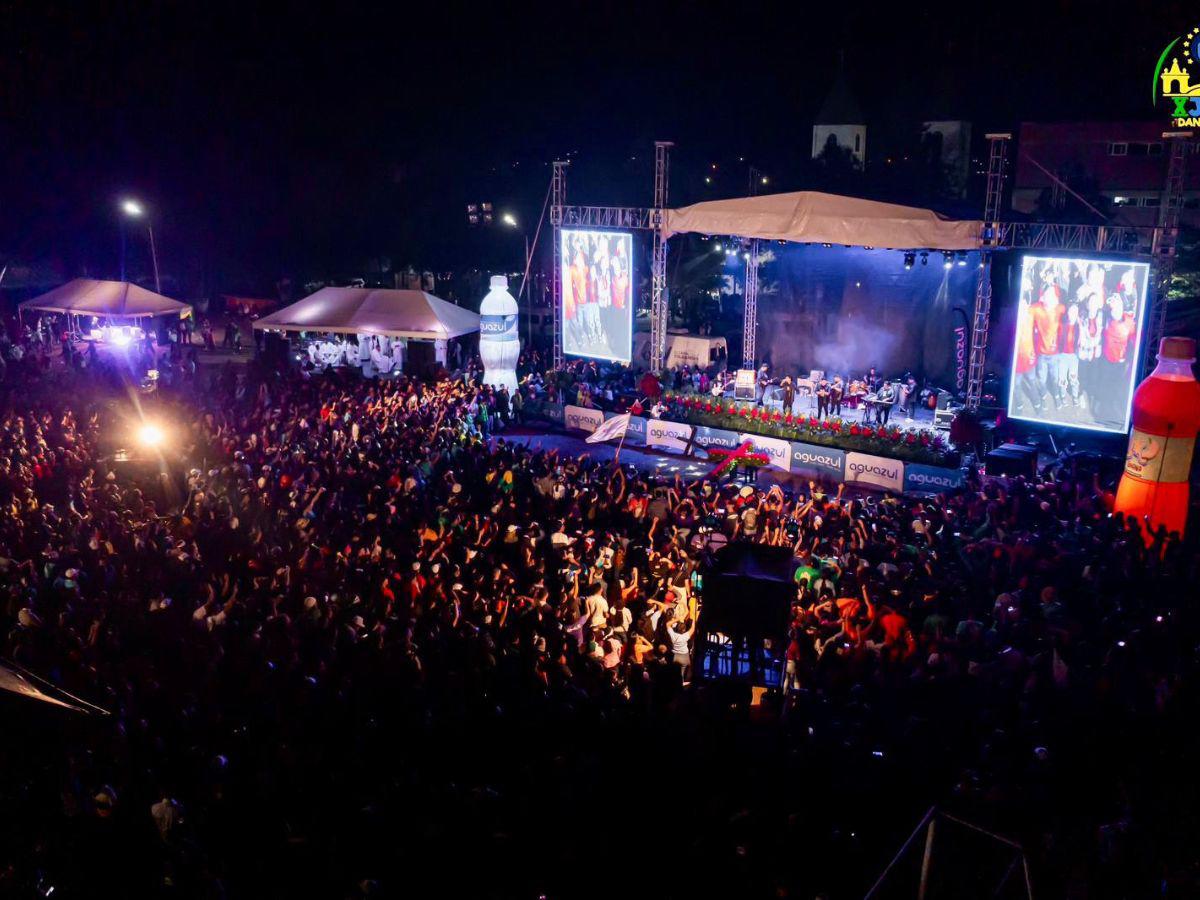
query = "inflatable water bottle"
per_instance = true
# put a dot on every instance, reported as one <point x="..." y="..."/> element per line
<point x="499" y="344"/>
<point x="1166" y="418"/>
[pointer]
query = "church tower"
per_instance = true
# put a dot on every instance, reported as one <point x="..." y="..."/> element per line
<point x="842" y="121"/>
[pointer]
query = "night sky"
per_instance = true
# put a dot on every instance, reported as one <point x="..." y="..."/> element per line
<point x="322" y="142"/>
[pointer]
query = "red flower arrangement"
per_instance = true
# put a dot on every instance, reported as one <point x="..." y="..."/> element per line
<point x="855" y="430"/>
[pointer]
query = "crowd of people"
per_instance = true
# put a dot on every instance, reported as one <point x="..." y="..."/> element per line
<point x="357" y="636"/>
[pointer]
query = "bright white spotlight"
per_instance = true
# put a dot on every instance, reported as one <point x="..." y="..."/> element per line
<point x="119" y="337"/>
<point x="150" y="435"/>
<point x="132" y="208"/>
<point x="509" y="219"/>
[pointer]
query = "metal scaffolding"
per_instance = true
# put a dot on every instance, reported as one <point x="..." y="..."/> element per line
<point x="750" y="313"/>
<point x="1166" y="236"/>
<point x="660" y="301"/>
<point x="997" y="164"/>
<point x="558" y="199"/>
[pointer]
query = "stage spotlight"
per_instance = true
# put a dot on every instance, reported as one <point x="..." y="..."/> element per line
<point x="150" y="435"/>
<point x="962" y="258"/>
<point x="947" y="259"/>
<point x="909" y="259"/>
<point x="924" y="258"/>
<point x="827" y="246"/>
<point x="717" y="248"/>
<point x="746" y="257"/>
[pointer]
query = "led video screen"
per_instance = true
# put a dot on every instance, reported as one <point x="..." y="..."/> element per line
<point x="597" y="294"/>
<point x="1076" y="352"/>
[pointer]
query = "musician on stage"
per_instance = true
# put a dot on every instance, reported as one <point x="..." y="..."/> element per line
<point x="887" y="399"/>
<point x="908" y="398"/>
<point x="836" y="391"/>
<point x="873" y="381"/>
<point x="789" y="393"/>
<point x="823" y="398"/>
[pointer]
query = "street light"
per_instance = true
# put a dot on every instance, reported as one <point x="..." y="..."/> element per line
<point x="511" y="221"/>
<point x="135" y="210"/>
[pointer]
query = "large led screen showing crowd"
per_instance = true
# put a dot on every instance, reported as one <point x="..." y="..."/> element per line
<point x="1079" y="327"/>
<point x="597" y="292"/>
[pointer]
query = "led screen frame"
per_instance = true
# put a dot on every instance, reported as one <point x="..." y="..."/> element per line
<point x="592" y="328"/>
<point x="1033" y="270"/>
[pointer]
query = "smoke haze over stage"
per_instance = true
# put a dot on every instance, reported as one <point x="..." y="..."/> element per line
<point x="844" y="309"/>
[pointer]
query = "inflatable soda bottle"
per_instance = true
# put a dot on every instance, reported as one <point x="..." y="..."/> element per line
<point x="1166" y="418"/>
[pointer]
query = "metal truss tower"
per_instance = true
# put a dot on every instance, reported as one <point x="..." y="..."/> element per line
<point x="660" y="301"/>
<point x="1166" y="236"/>
<point x="750" y="313"/>
<point x="997" y="167"/>
<point x="558" y="199"/>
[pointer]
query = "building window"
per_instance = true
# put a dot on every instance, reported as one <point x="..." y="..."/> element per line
<point x="1151" y="201"/>
<point x="1118" y="148"/>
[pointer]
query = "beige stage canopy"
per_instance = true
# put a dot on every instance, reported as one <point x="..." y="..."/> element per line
<point x="810" y="217"/>
<point x="402" y="314"/>
<point x="91" y="297"/>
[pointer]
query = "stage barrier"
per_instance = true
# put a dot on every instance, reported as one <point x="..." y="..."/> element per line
<point x="804" y="460"/>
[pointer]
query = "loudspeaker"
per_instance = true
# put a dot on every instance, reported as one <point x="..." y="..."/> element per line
<point x="1012" y="459"/>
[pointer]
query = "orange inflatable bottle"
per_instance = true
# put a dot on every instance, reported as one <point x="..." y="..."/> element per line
<point x="1166" y="418"/>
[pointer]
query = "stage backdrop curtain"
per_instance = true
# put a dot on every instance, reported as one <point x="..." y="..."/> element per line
<point x="391" y="313"/>
<point x="93" y="297"/>
<point x="811" y="217"/>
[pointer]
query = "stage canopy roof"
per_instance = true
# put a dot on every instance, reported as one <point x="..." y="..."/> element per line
<point x="90" y="297"/>
<point x="403" y="314"/>
<point x="811" y="217"/>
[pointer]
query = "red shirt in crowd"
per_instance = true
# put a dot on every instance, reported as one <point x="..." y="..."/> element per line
<point x="1047" y="325"/>
<point x="1117" y="335"/>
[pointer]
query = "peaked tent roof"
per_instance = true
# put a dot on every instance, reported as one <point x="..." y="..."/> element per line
<point x="344" y="310"/>
<point x="811" y="217"/>
<point x="90" y="296"/>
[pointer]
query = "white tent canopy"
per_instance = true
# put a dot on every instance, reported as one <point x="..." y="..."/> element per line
<point x="401" y="314"/>
<point x="811" y="217"/>
<point x="92" y="297"/>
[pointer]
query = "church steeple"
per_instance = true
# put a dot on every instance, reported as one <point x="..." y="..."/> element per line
<point x="841" y="119"/>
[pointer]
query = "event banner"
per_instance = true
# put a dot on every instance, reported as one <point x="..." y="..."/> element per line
<point x="581" y="418"/>
<point x="597" y="293"/>
<point x="825" y="462"/>
<point x="706" y="437"/>
<point x="779" y="451"/>
<point x="635" y="434"/>
<point x="667" y="435"/>
<point x="931" y="479"/>
<point x="875" y="471"/>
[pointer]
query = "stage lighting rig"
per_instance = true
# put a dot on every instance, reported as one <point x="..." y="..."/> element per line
<point x="909" y="259"/>
<point x="924" y="257"/>
<point x="947" y="259"/>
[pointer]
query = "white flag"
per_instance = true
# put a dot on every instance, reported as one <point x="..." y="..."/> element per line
<point x="613" y="428"/>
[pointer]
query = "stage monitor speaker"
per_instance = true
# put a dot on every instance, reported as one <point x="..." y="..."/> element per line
<point x="943" y="398"/>
<point x="1012" y="459"/>
<point x="943" y="418"/>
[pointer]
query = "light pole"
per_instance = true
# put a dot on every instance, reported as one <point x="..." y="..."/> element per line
<point x="511" y="221"/>
<point x="135" y="210"/>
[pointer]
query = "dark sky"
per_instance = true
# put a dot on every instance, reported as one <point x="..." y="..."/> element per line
<point x="309" y="140"/>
